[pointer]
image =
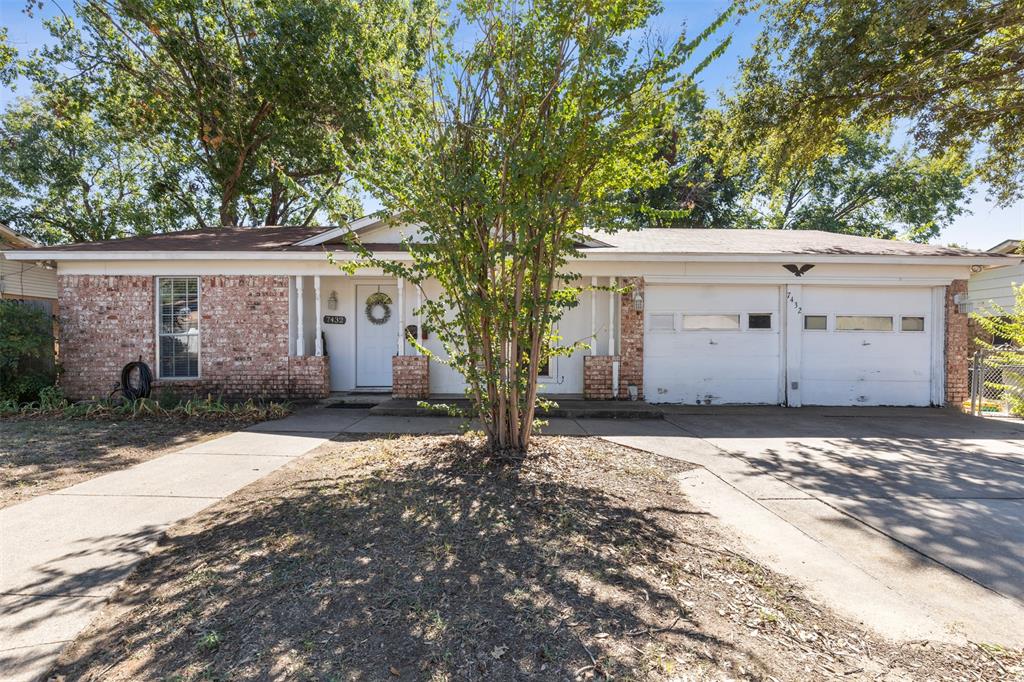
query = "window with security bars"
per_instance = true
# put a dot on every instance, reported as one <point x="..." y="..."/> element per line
<point x="178" y="327"/>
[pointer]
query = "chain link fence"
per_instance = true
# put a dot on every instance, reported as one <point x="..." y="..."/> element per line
<point x="997" y="382"/>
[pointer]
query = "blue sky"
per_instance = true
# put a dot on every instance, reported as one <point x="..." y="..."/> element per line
<point x="984" y="225"/>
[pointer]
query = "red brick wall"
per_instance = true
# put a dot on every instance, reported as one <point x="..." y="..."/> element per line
<point x="597" y="376"/>
<point x="631" y="340"/>
<point x="108" y="321"/>
<point x="957" y="347"/>
<point x="410" y="376"/>
<point x="309" y="376"/>
<point x="105" y="323"/>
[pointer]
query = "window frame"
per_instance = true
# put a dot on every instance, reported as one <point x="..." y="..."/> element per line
<point x="892" y="322"/>
<point x="804" y="327"/>
<point x="922" y="330"/>
<point x="199" y="336"/>
<point x="650" y="317"/>
<point x="684" y="330"/>
<point x="769" y="328"/>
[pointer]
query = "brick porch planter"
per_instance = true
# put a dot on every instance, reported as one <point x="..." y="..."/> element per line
<point x="410" y="376"/>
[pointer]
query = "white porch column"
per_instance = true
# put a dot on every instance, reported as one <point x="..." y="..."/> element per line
<point x="593" y="316"/>
<point x="419" y="318"/>
<point x="319" y="343"/>
<point x="612" y="298"/>
<point x="300" y="332"/>
<point x="611" y="317"/>
<point x="401" y="316"/>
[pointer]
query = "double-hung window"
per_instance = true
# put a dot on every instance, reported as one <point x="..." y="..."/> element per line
<point x="178" y="327"/>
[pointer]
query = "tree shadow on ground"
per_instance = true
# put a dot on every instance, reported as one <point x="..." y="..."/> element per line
<point x="407" y="559"/>
<point x="949" y="486"/>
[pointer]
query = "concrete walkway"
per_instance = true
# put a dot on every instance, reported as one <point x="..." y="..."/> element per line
<point x="63" y="554"/>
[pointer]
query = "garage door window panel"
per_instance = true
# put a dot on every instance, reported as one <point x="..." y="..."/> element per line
<point x="714" y="322"/>
<point x="912" y="323"/>
<point x="759" y="321"/>
<point x="864" y="323"/>
<point x="818" y="323"/>
<point x="661" y="322"/>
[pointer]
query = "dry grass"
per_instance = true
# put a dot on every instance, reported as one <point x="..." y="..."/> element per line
<point x="408" y="558"/>
<point x="38" y="456"/>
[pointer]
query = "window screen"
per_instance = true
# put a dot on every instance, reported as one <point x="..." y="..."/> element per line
<point x="178" y="326"/>
<point x="759" y="321"/>
<point x="912" y="324"/>
<point x="662" y="322"/>
<point x="816" y="322"/>
<point x="711" y="322"/>
<point x="864" y="323"/>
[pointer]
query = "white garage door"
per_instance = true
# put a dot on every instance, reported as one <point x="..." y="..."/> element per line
<point x="866" y="346"/>
<point x="712" y="344"/>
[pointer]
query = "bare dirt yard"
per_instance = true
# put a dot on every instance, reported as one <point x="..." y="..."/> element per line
<point x="38" y="456"/>
<point x="409" y="559"/>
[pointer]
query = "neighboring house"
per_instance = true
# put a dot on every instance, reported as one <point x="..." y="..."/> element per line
<point x="986" y="287"/>
<point x="992" y="289"/>
<point x="713" y="316"/>
<point x="26" y="280"/>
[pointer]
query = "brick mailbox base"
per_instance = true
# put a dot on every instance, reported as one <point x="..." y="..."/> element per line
<point x="410" y="376"/>
<point x="597" y="376"/>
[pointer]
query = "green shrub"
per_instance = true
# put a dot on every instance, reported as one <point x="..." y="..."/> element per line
<point x="26" y="351"/>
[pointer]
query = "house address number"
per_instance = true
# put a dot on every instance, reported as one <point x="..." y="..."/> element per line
<point x="334" y="319"/>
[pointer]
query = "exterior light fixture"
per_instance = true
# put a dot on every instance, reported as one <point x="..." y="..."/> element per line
<point x="638" y="301"/>
<point x="332" y="301"/>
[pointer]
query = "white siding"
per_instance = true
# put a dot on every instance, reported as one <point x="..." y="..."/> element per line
<point x="19" y="278"/>
<point x="994" y="286"/>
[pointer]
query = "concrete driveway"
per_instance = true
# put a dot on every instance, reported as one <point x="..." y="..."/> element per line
<point x="927" y="504"/>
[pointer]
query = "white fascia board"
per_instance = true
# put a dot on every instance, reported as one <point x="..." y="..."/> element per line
<point x="878" y="280"/>
<point x="32" y="255"/>
<point x="37" y="255"/>
<point x="794" y="258"/>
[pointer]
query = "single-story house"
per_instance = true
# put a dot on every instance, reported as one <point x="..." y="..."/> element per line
<point x="26" y="280"/>
<point x="711" y="317"/>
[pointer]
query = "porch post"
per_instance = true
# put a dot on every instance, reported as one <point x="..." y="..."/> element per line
<point x="419" y="318"/>
<point x="319" y="343"/>
<point x="593" y="315"/>
<point x="612" y="299"/>
<point x="300" y="338"/>
<point x="611" y="317"/>
<point x="401" y="316"/>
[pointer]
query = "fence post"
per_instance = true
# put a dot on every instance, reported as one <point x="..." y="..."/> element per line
<point x="975" y="376"/>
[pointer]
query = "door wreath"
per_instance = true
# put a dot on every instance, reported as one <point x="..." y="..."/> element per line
<point x="378" y="308"/>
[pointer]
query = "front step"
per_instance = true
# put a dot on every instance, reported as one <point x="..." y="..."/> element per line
<point x="567" y="409"/>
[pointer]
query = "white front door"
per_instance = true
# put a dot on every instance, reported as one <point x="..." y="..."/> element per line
<point x="712" y="344"/>
<point x="376" y="316"/>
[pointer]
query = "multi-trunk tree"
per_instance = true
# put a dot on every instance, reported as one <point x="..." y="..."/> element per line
<point x="517" y="145"/>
